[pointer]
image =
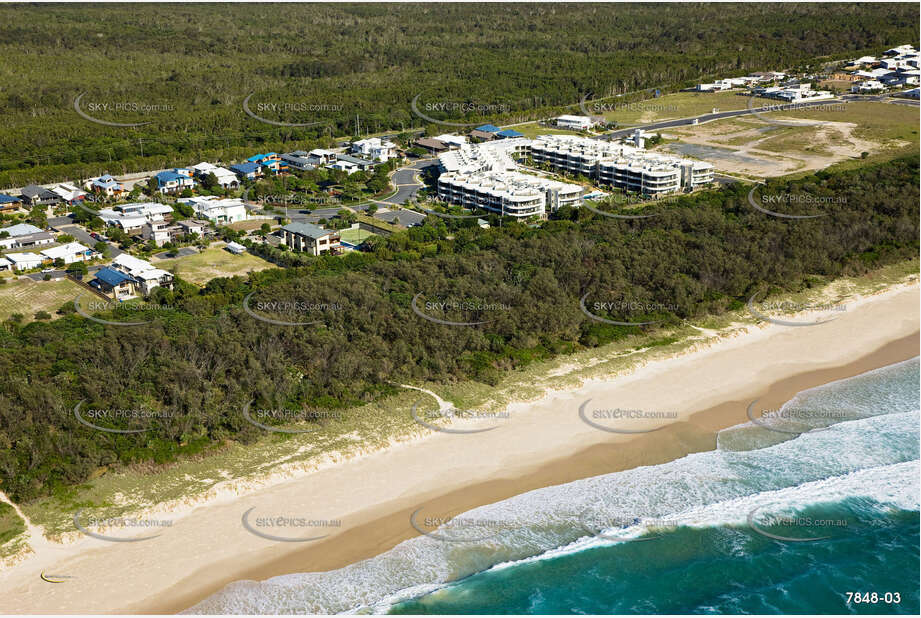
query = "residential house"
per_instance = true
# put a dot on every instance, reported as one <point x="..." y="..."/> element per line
<point x="34" y="195"/>
<point x="174" y="181"/>
<point x="870" y="85"/>
<point x="299" y="160"/>
<point x="225" y="178"/>
<point x="375" y="148"/>
<point x="482" y="136"/>
<point x="24" y="235"/>
<point x="192" y="226"/>
<point x="146" y="277"/>
<point x="115" y="284"/>
<point x="247" y="171"/>
<point x="269" y="161"/>
<point x="24" y="261"/>
<point x="363" y="165"/>
<point x="68" y="193"/>
<point x="160" y="232"/>
<point x="509" y="134"/>
<point x="235" y="248"/>
<point x="434" y="146"/>
<point x="311" y="238"/>
<point x="8" y="203"/>
<point x="105" y="185"/>
<point x="5" y="264"/>
<point x="69" y="253"/>
<point x="321" y="156"/>
<point x="488" y="128"/>
<point x="217" y="210"/>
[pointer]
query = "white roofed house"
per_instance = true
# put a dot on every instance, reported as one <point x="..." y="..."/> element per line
<point x="579" y="123"/>
<point x="68" y="193"/>
<point x="217" y="210"/>
<point x="25" y="261"/>
<point x="225" y="178"/>
<point x="69" y="253"/>
<point x="375" y="148"/>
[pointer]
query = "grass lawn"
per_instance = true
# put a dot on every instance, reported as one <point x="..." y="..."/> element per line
<point x="669" y="106"/>
<point x="212" y="263"/>
<point x="11" y="526"/>
<point x="27" y="297"/>
<point x="355" y="237"/>
<point x="532" y="130"/>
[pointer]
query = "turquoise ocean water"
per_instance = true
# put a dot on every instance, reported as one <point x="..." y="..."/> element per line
<point x="784" y="518"/>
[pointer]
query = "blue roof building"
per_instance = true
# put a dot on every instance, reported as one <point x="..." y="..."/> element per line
<point x="489" y="128"/>
<point x="509" y="133"/>
<point x="249" y="169"/>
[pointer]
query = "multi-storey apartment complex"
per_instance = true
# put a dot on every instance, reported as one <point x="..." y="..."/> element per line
<point x="508" y="193"/>
<point x="620" y="165"/>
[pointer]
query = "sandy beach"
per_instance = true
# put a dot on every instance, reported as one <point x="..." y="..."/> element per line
<point x="541" y="443"/>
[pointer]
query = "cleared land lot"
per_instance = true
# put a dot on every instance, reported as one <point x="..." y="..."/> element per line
<point x="214" y="262"/>
<point x="532" y="130"/>
<point x="669" y="106"/>
<point x="26" y="296"/>
<point x="836" y="135"/>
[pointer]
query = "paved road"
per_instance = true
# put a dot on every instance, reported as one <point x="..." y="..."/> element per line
<point x="621" y="133"/>
<point x="84" y="237"/>
<point x="406" y="183"/>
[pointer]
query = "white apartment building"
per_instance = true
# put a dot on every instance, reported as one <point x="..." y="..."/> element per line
<point x="578" y="123"/>
<point x="375" y="148"/>
<point x="621" y="165"/>
<point x="487" y="156"/>
<point x="507" y="193"/>
<point x="216" y="209"/>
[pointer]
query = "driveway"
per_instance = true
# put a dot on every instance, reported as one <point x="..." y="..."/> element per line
<point x="84" y="237"/>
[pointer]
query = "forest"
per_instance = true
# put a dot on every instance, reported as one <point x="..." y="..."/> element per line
<point x="201" y="356"/>
<point x="347" y="69"/>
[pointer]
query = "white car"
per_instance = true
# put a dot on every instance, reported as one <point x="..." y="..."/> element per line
<point x="46" y="271"/>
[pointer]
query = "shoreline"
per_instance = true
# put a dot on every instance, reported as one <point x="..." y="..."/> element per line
<point x="374" y="494"/>
<point x="695" y="434"/>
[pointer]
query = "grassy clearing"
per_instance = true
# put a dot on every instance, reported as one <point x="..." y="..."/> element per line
<point x="11" y="527"/>
<point x="213" y="262"/>
<point x="377" y="425"/>
<point x="532" y="130"/>
<point x="355" y="237"/>
<point x="669" y="106"/>
<point x="26" y="296"/>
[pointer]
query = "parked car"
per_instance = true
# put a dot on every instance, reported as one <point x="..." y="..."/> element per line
<point x="46" y="271"/>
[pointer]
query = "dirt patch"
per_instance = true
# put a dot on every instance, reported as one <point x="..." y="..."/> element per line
<point x="761" y="149"/>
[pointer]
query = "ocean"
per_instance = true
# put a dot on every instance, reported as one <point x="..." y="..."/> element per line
<point x="814" y="510"/>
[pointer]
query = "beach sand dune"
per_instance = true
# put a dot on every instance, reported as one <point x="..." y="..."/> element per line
<point x="540" y="443"/>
